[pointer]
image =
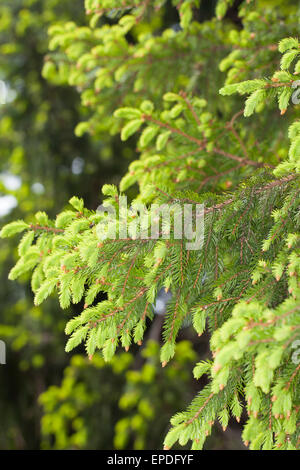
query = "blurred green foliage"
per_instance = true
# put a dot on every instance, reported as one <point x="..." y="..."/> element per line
<point x="101" y="403"/>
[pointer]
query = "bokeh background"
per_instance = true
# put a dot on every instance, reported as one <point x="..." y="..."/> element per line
<point x="50" y="399"/>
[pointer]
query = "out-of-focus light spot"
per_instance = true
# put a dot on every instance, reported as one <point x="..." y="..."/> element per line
<point x="3" y="92"/>
<point x="77" y="166"/>
<point x="176" y="27"/>
<point x="11" y="182"/>
<point x="38" y="188"/>
<point x="7" y="204"/>
<point x="7" y="95"/>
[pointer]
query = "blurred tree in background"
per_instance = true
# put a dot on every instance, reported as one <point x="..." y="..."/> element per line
<point x="100" y="405"/>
